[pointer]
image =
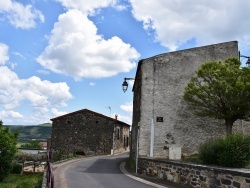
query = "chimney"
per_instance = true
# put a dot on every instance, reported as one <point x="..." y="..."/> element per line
<point x="116" y="116"/>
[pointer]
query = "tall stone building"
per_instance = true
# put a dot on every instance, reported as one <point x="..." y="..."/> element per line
<point x="159" y="107"/>
<point x="88" y="132"/>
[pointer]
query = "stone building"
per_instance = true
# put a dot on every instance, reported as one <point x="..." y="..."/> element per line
<point x="158" y="104"/>
<point x="89" y="133"/>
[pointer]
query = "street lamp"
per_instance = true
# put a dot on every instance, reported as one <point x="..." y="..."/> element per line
<point x="125" y="84"/>
<point x="248" y="59"/>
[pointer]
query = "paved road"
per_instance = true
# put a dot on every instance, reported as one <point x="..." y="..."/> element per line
<point x="95" y="172"/>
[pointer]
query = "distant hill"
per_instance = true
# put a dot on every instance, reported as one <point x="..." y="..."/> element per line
<point x="28" y="132"/>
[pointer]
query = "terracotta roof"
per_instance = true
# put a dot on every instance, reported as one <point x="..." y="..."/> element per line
<point x="44" y="144"/>
<point x="87" y="110"/>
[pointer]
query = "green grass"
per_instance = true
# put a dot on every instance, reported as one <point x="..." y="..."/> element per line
<point x="22" y="181"/>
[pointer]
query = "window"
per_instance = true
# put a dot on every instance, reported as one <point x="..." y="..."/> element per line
<point x="118" y="133"/>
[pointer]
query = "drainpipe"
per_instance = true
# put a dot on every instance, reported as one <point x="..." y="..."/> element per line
<point x="114" y="140"/>
<point x="152" y="139"/>
<point x="137" y="148"/>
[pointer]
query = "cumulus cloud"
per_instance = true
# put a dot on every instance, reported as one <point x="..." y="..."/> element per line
<point x="87" y="6"/>
<point x="40" y="94"/>
<point x="176" y="22"/>
<point x="10" y="114"/>
<point x="4" y="57"/>
<point x="75" y="49"/>
<point x="128" y="109"/>
<point x="19" y="15"/>
<point x="57" y="113"/>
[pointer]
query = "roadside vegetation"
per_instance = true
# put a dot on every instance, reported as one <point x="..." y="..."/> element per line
<point x="22" y="181"/>
<point x="8" y="149"/>
<point x="228" y="151"/>
<point x="10" y="167"/>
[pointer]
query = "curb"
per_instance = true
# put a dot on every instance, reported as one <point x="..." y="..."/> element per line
<point x="122" y="168"/>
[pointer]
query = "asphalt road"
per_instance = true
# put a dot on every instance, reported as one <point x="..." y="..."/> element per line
<point x="95" y="172"/>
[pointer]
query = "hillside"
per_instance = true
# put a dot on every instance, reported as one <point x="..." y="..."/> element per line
<point x="28" y="132"/>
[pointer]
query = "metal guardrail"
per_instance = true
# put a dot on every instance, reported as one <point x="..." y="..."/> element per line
<point x="49" y="172"/>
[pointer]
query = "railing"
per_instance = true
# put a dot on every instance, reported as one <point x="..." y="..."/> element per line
<point x="49" y="173"/>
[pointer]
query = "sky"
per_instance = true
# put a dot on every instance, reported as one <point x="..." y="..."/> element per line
<point x="60" y="56"/>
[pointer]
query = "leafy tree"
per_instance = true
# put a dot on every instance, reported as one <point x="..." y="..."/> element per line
<point x="33" y="144"/>
<point x="220" y="90"/>
<point x="8" y="149"/>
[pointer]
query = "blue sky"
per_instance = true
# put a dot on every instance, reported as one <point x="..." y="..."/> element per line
<point x="59" y="56"/>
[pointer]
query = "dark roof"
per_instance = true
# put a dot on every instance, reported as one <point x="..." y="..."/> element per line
<point x="95" y="113"/>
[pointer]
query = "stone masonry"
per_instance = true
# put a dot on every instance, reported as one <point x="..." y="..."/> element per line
<point x="194" y="175"/>
<point x="89" y="133"/>
<point x="158" y="93"/>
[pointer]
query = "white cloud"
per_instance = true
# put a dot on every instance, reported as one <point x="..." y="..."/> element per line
<point x="176" y="22"/>
<point x="128" y="108"/>
<point x="39" y="94"/>
<point x="4" y="57"/>
<point x="41" y="71"/>
<point x="9" y="114"/>
<point x="92" y="84"/>
<point x="87" y="6"/>
<point x="75" y="49"/>
<point x="19" y="54"/>
<point x="57" y="113"/>
<point x="19" y="15"/>
<point x="126" y="119"/>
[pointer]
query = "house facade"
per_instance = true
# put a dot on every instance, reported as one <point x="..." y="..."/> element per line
<point x="90" y="133"/>
<point x="160" y="114"/>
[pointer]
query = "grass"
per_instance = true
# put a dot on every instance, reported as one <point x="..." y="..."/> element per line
<point x="22" y="181"/>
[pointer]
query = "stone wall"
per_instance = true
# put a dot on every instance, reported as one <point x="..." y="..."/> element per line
<point x="88" y="132"/>
<point x="194" y="175"/>
<point x="163" y="79"/>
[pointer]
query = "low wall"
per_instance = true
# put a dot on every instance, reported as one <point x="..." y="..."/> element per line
<point x="194" y="175"/>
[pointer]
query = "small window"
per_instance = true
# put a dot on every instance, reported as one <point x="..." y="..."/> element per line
<point x="97" y="122"/>
<point x="68" y="122"/>
<point x="118" y="133"/>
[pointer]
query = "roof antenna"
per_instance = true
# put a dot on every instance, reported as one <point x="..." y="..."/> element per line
<point x="109" y="110"/>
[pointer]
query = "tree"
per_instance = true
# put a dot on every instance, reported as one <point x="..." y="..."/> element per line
<point x="220" y="90"/>
<point x="8" y="150"/>
<point x="32" y="144"/>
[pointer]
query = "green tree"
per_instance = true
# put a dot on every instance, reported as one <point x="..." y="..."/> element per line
<point x="220" y="90"/>
<point x="33" y="144"/>
<point x="8" y="149"/>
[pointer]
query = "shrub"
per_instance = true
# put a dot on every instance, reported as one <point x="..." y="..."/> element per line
<point x="17" y="168"/>
<point x="234" y="150"/>
<point x="230" y="151"/>
<point x="208" y="152"/>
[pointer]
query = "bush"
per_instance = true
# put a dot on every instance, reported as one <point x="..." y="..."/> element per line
<point x="17" y="168"/>
<point x="208" y="152"/>
<point x="234" y="151"/>
<point x="229" y="151"/>
<point x="8" y="149"/>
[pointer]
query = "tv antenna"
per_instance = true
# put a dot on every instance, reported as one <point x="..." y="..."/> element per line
<point x="109" y="110"/>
